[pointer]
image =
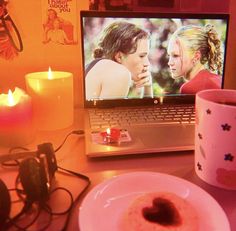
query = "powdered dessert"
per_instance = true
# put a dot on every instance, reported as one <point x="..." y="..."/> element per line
<point x="160" y="211"/>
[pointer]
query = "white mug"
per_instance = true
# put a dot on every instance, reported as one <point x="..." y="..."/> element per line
<point x="215" y="137"/>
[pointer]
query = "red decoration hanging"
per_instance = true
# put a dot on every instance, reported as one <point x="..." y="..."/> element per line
<point x="9" y="34"/>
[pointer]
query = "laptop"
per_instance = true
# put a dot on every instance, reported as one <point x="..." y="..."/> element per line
<point x="135" y="122"/>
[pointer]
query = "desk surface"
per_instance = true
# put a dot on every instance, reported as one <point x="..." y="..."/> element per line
<point x="71" y="156"/>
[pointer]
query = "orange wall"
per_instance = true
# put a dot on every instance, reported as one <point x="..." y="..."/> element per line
<point x="38" y="57"/>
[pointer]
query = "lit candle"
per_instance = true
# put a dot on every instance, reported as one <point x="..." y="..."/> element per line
<point x="111" y="135"/>
<point x="52" y="97"/>
<point x="16" y="118"/>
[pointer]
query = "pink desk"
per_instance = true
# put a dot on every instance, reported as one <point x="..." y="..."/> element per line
<point x="71" y="156"/>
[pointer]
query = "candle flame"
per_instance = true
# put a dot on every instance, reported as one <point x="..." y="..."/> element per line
<point x="50" y="73"/>
<point x="108" y="131"/>
<point x="11" y="100"/>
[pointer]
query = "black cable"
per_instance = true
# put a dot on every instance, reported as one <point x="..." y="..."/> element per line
<point x="27" y="206"/>
<point x="84" y="177"/>
<point x="13" y="163"/>
<point x="77" y="132"/>
<point x="70" y="206"/>
<point x="40" y="209"/>
<point x="75" y="173"/>
<point x="11" y="221"/>
<point x="18" y="191"/>
<point x="18" y="147"/>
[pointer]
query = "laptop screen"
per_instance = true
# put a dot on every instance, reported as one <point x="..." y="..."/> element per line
<point x="134" y="58"/>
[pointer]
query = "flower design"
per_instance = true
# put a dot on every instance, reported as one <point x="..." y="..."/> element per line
<point x="226" y="127"/>
<point x="229" y="157"/>
<point x="208" y="111"/>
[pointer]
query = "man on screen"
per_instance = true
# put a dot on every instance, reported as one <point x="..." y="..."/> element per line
<point x="120" y="68"/>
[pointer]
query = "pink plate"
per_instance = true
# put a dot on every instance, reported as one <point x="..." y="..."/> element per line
<point x="103" y="206"/>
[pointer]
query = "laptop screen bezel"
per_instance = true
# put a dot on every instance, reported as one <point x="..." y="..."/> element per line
<point x="167" y="99"/>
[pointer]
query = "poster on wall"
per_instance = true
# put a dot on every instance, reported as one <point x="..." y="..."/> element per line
<point x="59" y="25"/>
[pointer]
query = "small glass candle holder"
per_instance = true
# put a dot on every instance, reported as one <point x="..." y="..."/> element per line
<point x="111" y="135"/>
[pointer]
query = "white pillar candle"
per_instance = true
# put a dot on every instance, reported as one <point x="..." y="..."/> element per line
<point x="16" y="119"/>
<point x="52" y="97"/>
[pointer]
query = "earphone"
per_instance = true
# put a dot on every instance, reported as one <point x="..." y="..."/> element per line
<point x="35" y="175"/>
<point x="33" y="179"/>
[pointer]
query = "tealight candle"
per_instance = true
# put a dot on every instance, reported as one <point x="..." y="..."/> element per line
<point x="52" y="97"/>
<point x="111" y="135"/>
<point x="16" y="118"/>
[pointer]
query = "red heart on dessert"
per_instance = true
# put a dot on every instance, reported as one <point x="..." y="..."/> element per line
<point x="162" y="212"/>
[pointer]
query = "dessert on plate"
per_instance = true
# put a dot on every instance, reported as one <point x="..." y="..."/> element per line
<point x="159" y="211"/>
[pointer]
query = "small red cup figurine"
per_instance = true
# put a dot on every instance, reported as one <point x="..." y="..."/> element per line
<point x="111" y="135"/>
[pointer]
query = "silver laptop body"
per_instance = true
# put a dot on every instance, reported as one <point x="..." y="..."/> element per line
<point x="162" y="123"/>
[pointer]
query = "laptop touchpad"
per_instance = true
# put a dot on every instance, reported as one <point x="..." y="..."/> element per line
<point x="165" y="136"/>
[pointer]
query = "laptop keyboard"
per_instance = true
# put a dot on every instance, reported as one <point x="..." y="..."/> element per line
<point x="118" y="117"/>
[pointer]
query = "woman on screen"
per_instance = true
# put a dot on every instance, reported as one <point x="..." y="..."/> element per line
<point x="195" y="54"/>
<point x="120" y="65"/>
